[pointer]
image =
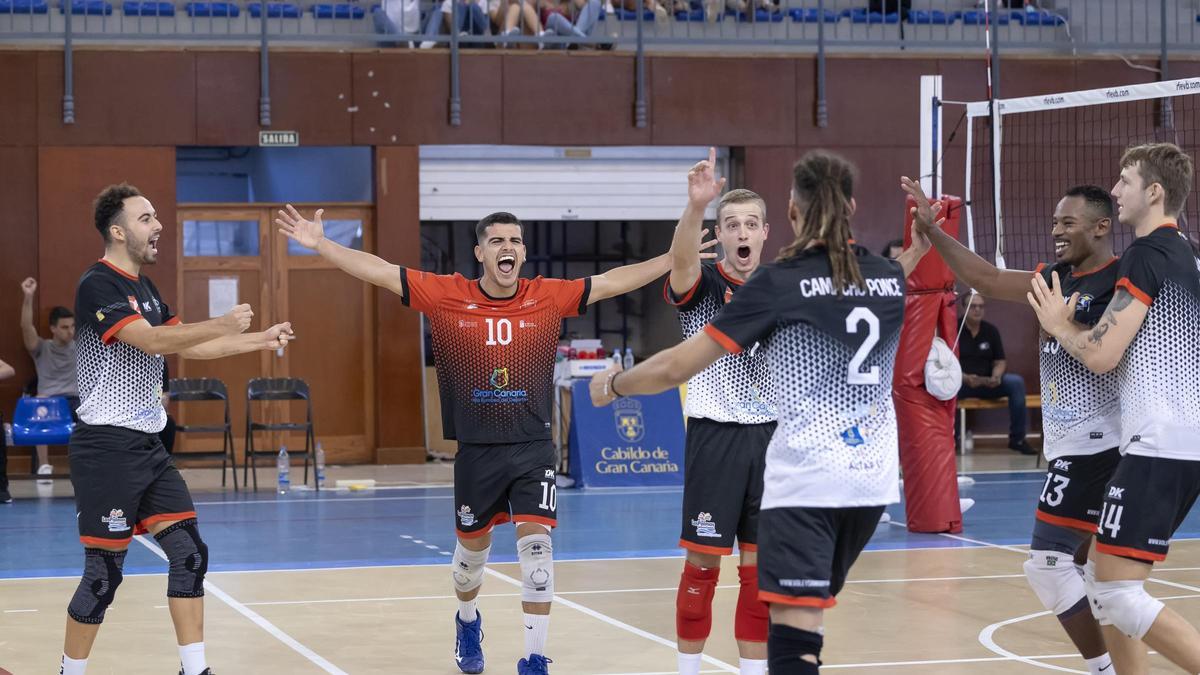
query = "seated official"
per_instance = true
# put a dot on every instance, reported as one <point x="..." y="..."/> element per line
<point x="981" y="353"/>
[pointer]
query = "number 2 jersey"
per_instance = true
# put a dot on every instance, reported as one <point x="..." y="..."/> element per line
<point x="494" y="356"/>
<point x="1159" y="375"/>
<point x="831" y="359"/>
<point x="1081" y="412"/>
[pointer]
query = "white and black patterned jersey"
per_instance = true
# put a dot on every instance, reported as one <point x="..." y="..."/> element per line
<point x="737" y="388"/>
<point x="831" y="359"/>
<point x="119" y="384"/>
<point x="1159" y="375"/>
<point x="1081" y="411"/>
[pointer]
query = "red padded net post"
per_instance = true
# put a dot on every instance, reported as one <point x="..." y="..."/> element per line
<point x="926" y="425"/>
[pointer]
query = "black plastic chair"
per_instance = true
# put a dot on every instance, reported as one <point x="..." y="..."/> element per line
<point x="278" y="389"/>
<point x="206" y="389"/>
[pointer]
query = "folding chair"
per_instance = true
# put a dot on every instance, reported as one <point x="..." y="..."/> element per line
<point x="206" y="389"/>
<point x="278" y="389"/>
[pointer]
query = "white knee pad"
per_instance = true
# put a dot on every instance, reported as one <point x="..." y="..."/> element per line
<point x="1088" y="571"/>
<point x="537" y="567"/>
<point x="467" y="567"/>
<point x="1054" y="579"/>
<point x="1128" y="606"/>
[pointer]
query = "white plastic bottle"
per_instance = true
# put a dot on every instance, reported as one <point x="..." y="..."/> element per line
<point x="628" y="358"/>
<point x="283" y="466"/>
<point x="320" y="464"/>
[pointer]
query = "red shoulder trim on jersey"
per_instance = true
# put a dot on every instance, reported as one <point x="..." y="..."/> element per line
<point x="118" y="270"/>
<point x="772" y="598"/>
<point x="1093" y="271"/>
<point x="173" y="321"/>
<point x="1135" y="291"/>
<point x="1126" y="552"/>
<point x="722" y="339"/>
<point x="728" y="277"/>
<point x="99" y="542"/>
<point x="701" y="548"/>
<point x="110" y="335"/>
<point x="1038" y="270"/>
<point x="1072" y="523"/>
<point x="667" y="292"/>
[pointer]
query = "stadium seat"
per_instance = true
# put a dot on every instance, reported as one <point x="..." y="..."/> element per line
<point x="862" y="15"/>
<point x="1039" y="18"/>
<point x="24" y="7"/>
<point x="89" y="7"/>
<point x="695" y="16"/>
<point x="139" y="8"/>
<point x="978" y="17"/>
<point x="760" y="16"/>
<point x="631" y="15"/>
<point x="812" y="15"/>
<point x="275" y="10"/>
<point x="42" y="421"/>
<point x="212" y="9"/>
<point x="935" y="17"/>
<point x="342" y="10"/>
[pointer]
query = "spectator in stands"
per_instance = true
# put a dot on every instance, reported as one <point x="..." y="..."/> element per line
<point x="6" y="371"/>
<point x="510" y="16"/>
<point x="663" y="9"/>
<point x="472" y="20"/>
<point x="893" y="249"/>
<point x="397" y="17"/>
<point x="981" y="353"/>
<point x="54" y="359"/>
<point x="587" y="13"/>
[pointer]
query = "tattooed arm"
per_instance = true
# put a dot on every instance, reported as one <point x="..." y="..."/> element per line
<point x="1100" y="347"/>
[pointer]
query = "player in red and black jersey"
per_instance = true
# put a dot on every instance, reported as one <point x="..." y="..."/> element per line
<point x="1148" y="335"/>
<point x="125" y="482"/>
<point x="494" y="341"/>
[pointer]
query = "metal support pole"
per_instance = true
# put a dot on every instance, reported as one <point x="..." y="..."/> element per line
<point x="639" y="103"/>
<point x="822" y="105"/>
<point x="455" y="88"/>
<point x="68" y="101"/>
<point x="264" y="72"/>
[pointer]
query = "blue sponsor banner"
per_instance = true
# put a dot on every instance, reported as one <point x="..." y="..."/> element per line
<point x="638" y="440"/>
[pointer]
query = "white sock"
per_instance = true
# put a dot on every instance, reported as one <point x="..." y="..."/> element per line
<point x="72" y="666"/>
<point x="536" y="627"/>
<point x="466" y="610"/>
<point x="689" y="664"/>
<point x="1098" y="665"/>
<point x="752" y="666"/>
<point x="192" y="658"/>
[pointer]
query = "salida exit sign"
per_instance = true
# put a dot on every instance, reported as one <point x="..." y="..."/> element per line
<point x="277" y="139"/>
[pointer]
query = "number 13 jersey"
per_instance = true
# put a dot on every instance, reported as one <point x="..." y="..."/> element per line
<point x="494" y="356"/>
<point x="831" y="359"/>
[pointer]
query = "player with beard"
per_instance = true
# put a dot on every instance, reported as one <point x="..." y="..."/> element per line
<point x="1148" y="336"/>
<point x="125" y="482"/>
<point x="730" y="418"/>
<point x="494" y="341"/>
<point x="1081" y="416"/>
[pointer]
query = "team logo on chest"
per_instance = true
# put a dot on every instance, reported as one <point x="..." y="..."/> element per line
<point x="631" y="426"/>
<point x="133" y="303"/>
<point x="499" y="378"/>
<point x="728" y="294"/>
<point x="1084" y="302"/>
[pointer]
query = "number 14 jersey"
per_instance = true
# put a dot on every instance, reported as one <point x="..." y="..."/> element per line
<point x="831" y="359"/>
<point x="494" y="356"/>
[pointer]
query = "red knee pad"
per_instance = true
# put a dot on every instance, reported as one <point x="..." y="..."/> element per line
<point x="752" y="619"/>
<point x="693" y="604"/>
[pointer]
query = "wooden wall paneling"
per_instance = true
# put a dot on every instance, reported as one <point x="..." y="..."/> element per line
<point x="768" y="172"/>
<point x="18" y="105"/>
<point x="872" y="102"/>
<point x="312" y="93"/>
<point x="18" y="259"/>
<point x="227" y="92"/>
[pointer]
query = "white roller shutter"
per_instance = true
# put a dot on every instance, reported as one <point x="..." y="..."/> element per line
<point x="467" y="182"/>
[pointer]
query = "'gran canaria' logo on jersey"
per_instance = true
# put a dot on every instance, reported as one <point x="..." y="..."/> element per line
<point x="499" y="379"/>
<point x="498" y="389"/>
<point x="631" y="426"/>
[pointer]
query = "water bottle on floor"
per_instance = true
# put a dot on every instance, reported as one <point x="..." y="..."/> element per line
<point x="320" y="464"/>
<point x="283" y="466"/>
<point x="628" y="358"/>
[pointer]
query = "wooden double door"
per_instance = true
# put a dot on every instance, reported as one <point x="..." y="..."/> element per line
<point x="235" y="253"/>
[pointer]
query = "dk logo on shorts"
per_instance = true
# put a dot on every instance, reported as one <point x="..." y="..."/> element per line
<point x="631" y="426"/>
<point x="115" y="521"/>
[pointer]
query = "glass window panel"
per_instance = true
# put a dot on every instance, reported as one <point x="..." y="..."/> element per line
<point x="348" y="233"/>
<point x="220" y="238"/>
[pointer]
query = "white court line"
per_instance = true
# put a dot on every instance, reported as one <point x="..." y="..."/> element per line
<point x="258" y="620"/>
<point x="986" y="639"/>
<point x="614" y="622"/>
<point x="934" y="662"/>
<point x="18" y="611"/>
<point x="990" y="471"/>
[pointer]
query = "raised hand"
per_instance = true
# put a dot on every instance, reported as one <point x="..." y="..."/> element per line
<point x="925" y="214"/>
<point x="705" y="245"/>
<point x="29" y="286"/>
<point x="703" y="185"/>
<point x="307" y="233"/>
<point x="237" y="320"/>
<point x="279" y="335"/>
<point x="1053" y="311"/>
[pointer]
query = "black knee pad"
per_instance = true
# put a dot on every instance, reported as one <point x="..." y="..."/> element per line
<point x="188" y="558"/>
<point x="98" y="587"/>
<point x="786" y="646"/>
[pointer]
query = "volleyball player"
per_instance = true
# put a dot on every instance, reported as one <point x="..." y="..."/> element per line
<point x="827" y="316"/>
<point x="1081" y="417"/>
<point x="494" y="341"/>
<point x="1148" y="335"/>
<point x="730" y="418"/>
<point x="124" y="481"/>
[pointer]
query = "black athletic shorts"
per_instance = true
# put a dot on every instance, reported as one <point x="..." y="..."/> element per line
<point x="805" y="553"/>
<point x="1074" y="490"/>
<point x="723" y="484"/>
<point x="496" y="483"/>
<point x="124" y="482"/>
<point x="1146" y="501"/>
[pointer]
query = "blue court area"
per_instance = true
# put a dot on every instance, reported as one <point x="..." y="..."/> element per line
<point x="414" y="526"/>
